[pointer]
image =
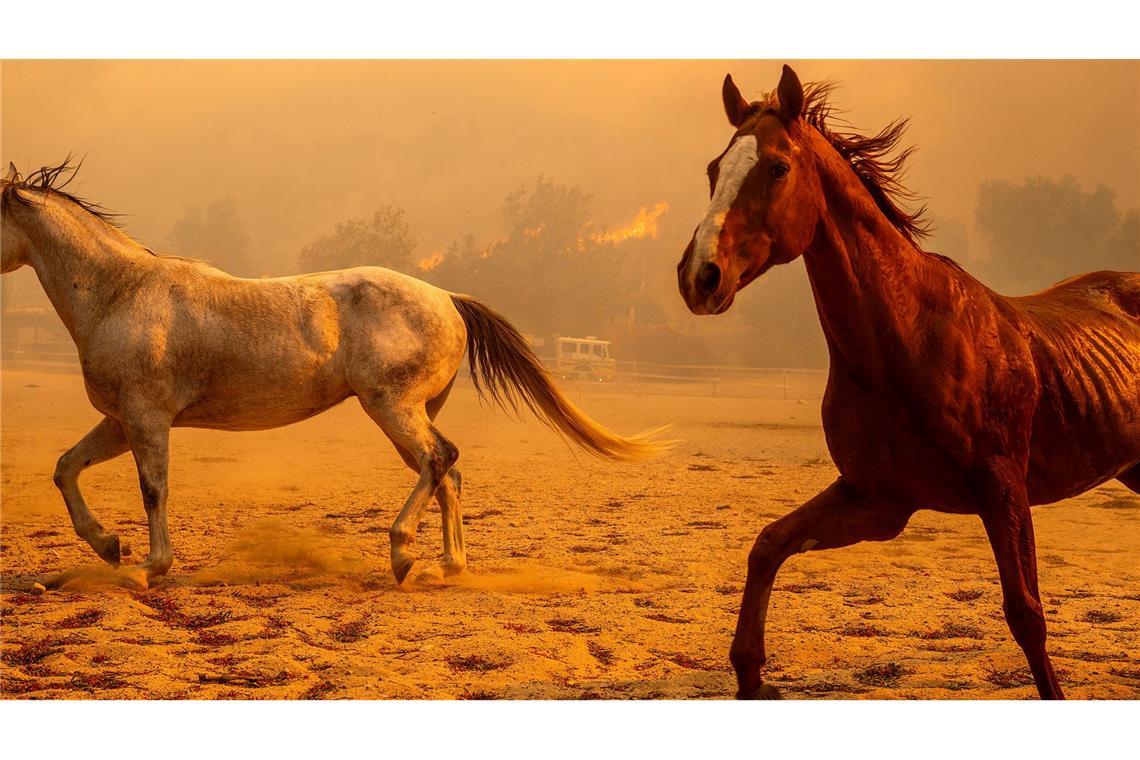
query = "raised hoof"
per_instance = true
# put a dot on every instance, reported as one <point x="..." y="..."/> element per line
<point x="764" y="691"/>
<point x="110" y="551"/>
<point x="401" y="571"/>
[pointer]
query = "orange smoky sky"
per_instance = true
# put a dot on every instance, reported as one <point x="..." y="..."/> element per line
<point x="300" y="145"/>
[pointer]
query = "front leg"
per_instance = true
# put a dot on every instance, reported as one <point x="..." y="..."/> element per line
<point x="1009" y="526"/>
<point x="837" y="516"/>
<point x="105" y="441"/>
<point x="149" y="436"/>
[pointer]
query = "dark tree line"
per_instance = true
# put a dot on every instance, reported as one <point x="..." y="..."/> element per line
<point x="384" y="240"/>
<point x="550" y="269"/>
<point x="554" y="271"/>
<point x="1042" y="231"/>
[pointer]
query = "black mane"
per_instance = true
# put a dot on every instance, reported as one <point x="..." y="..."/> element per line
<point x="53" y="179"/>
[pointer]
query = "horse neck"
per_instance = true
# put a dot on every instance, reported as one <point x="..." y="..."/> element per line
<point x="869" y="281"/>
<point x="81" y="261"/>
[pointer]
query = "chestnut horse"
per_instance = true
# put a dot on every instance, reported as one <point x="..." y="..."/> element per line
<point x="167" y="342"/>
<point x="942" y="394"/>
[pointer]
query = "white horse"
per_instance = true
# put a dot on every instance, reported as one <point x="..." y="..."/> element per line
<point x="168" y="342"/>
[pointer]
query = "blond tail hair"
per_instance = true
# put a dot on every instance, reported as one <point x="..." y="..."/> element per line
<point x="504" y="368"/>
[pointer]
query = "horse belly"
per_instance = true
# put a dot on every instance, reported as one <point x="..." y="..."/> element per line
<point x="273" y="395"/>
<point x="1086" y="428"/>
<point x="1073" y="452"/>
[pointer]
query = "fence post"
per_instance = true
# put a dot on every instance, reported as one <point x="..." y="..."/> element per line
<point x="784" y="373"/>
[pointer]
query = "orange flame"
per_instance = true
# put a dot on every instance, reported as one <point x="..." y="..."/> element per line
<point x="431" y="261"/>
<point x="644" y="225"/>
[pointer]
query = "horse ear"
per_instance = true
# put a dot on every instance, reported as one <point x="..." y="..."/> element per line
<point x="735" y="106"/>
<point x="791" y="94"/>
<point x="12" y="175"/>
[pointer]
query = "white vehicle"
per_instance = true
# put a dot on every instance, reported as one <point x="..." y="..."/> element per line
<point x="584" y="359"/>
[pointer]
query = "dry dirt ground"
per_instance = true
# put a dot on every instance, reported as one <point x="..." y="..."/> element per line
<point x="587" y="580"/>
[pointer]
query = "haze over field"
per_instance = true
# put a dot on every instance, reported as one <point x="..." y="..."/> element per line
<point x="561" y="194"/>
<point x="296" y="147"/>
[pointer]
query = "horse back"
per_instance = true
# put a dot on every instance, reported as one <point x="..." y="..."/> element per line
<point x="1113" y="291"/>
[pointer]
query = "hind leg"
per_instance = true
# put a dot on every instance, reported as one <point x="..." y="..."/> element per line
<point x="105" y="441"/>
<point x="425" y="450"/>
<point x="450" y="507"/>
<point x="447" y="494"/>
<point x="454" y="552"/>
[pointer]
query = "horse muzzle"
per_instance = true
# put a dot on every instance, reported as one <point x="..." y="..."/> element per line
<point x="704" y="286"/>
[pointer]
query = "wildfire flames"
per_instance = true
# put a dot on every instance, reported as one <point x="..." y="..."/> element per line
<point x="431" y="261"/>
<point x="643" y="225"/>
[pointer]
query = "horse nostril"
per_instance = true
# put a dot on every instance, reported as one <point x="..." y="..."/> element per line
<point x="708" y="277"/>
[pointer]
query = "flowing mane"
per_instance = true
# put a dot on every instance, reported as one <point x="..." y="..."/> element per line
<point x="868" y="156"/>
<point x="53" y="179"/>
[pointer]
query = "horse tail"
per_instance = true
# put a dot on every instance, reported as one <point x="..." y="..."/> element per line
<point x="504" y="368"/>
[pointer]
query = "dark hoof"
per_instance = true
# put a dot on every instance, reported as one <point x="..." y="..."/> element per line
<point x="110" y="551"/>
<point x="402" y="571"/>
<point x="764" y="691"/>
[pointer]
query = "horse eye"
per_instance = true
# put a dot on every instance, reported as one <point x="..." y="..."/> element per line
<point x="776" y="171"/>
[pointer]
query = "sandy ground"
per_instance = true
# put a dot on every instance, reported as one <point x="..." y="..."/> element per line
<point x="586" y="580"/>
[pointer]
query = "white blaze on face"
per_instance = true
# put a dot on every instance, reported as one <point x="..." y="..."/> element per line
<point x="734" y="167"/>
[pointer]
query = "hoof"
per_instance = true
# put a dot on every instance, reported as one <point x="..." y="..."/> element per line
<point x="417" y="574"/>
<point x="109" y="551"/>
<point x="155" y="569"/>
<point x="764" y="691"/>
<point x="451" y="569"/>
<point x="402" y="570"/>
<point x="428" y="576"/>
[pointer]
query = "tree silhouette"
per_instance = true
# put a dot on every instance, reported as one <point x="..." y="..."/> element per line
<point x="1036" y="230"/>
<point x="551" y="270"/>
<point x="214" y="234"/>
<point x="384" y="240"/>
